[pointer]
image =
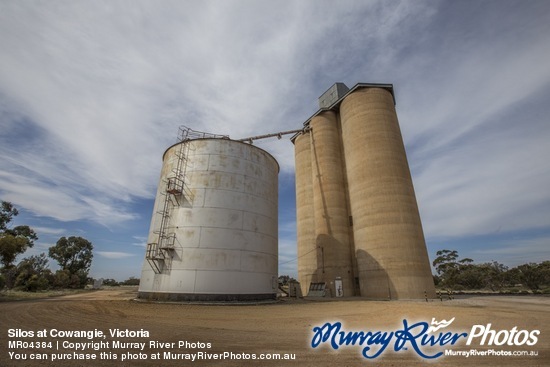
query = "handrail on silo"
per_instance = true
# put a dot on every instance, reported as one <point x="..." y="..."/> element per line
<point x="186" y="133"/>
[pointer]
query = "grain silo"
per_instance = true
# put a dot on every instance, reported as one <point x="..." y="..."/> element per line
<point x="308" y="259"/>
<point x="330" y="204"/>
<point x="365" y="217"/>
<point x="213" y="234"/>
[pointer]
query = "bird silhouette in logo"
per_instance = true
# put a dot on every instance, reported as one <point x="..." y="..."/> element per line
<point x="439" y="325"/>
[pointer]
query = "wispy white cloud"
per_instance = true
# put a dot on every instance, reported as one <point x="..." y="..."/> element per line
<point x="114" y="255"/>
<point x="108" y="86"/>
<point x="487" y="185"/>
<point x="471" y="112"/>
<point x="516" y="251"/>
<point x="91" y="95"/>
<point x="49" y="231"/>
<point x="60" y="202"/>
<point x="141" y="241"/>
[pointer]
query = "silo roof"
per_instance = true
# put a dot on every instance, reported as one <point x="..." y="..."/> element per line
<point x="223" y="138"/>
<point x="336" y="105"/>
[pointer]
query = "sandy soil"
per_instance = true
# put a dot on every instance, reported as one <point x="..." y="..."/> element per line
<point x="282" y="327"/>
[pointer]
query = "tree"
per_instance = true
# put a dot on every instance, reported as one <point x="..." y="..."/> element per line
<point x="33" y="273"/>
<point x="13" y="241"/>
<point x="447" y="266"/>
<point x="494" y="275"/>
<point x="7" y="212"/>
<point x="453" y="272"/>
<point x="131" y="281"/>
<point x="285" y="279"/>
<point x="445" y="261"/>
<point x="535" y="276"/>
<point x="110" y="282"/>
<point x="74" y="255"/>
<point x="38" y="263"/>
<point x="469" y="276"/>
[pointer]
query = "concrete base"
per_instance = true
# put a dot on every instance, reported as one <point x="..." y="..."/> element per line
<point x="194" y="297"/>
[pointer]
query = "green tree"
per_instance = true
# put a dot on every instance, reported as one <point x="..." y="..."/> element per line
<point x="469" y="276"/>
<point x="456" y="273"/>
<point x="535" y="276"/>
<point x="447" y="266"/>
<point x="131" y="281"/>
<point x="62" y="279"/>
<point x="7" y="212"/>
<point x="285" y="279"/>
<point x="74" y="256"/>
<point x="445" y="261"/>
<point x="36" y="263"/>
<point x="33" y="273"/>
<point x="13" y="241"/>
<point x="544" y="268"/>
<point x="494" y="275"/>
<point x="110" y="282"/>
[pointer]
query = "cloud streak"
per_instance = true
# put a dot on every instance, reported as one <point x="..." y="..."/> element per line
<point x="91" y="95"/>
<point x="114" y="255"/>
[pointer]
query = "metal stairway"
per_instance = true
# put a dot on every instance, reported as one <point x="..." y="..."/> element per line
<point x="175" y="193"/>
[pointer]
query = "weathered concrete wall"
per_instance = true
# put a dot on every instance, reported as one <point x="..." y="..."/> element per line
<point x="390" y="248"/>
<point x="308" y="269"/>
<point x="330" y="204"/>
<point x="360" y="201"/>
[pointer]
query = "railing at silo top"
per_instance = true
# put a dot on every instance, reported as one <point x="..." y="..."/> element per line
<point x="186" y="133"/>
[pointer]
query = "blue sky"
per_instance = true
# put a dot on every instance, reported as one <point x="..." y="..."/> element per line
<point x="92" y="93"/>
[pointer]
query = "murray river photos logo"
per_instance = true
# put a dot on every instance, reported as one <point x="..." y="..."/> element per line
<point x="427" y="340"/>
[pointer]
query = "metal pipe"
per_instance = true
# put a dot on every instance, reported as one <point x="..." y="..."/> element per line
<point x="279" y="135"/>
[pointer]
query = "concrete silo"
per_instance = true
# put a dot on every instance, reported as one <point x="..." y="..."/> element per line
<point x="364" y="206"/>
<point x="330" y="203"/>
<point x="213" y="233"/>
<point x="308" y="269"/>
<point x="390" y="249"/>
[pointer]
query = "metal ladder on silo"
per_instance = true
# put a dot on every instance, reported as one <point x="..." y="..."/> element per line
<point x="177" y="182"/>
<point x="160" y="252"/>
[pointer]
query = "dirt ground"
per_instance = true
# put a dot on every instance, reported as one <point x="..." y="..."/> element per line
<point x="282" y="327"/>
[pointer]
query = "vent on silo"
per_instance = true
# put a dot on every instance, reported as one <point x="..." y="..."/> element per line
<point x="333" y="94"/>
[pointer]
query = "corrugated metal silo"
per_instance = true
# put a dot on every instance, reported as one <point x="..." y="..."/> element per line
<point x="213" y="233"/>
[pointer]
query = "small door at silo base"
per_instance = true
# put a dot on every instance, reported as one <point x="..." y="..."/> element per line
<point x="339" y="287"/>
